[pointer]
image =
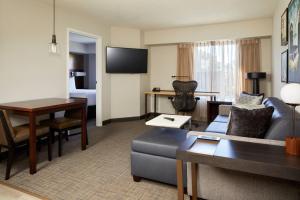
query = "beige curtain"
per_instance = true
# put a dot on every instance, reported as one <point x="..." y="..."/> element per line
<point x="185" y="62"/>
<point x="249" y="61"/>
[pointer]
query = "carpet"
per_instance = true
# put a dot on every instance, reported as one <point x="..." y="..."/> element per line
<point x="100" y="172"/>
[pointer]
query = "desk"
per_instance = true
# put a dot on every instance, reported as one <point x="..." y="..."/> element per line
<point x="34" y="108"/>
<point x="247" y="157"/>
<point x="171" y="93"/>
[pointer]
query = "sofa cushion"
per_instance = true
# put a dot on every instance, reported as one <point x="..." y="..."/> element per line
<point x="222" y="118"/>
<point x="160" y="141"/>
<point x="250" y="99"/>
<point x="250" y="123"/>
<point x="217" y="127"/>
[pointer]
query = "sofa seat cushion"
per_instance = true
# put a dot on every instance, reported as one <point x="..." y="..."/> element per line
<point x="160" y="141"/>
<point x="222" y="118"/>
<point x="217" y="127"/>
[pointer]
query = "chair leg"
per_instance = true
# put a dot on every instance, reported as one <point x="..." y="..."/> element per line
<point x="39" y="144"/>
<point x="27" y="149"/>
<point x="59" y="144"/>
<point x="49" y="146"/>
<point x="66" y="135"/>
<point x="52" y="132"/>
<point x="87" y="138"/>
<point x="0" y="153"/>
<point x="11" y="152"/>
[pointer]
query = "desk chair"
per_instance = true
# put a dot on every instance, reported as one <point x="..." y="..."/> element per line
<point x="11" y="137"/>
<point x="70" y="121"/>
<point x="184" y="100"/>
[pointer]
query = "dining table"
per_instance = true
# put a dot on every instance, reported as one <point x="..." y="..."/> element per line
<point x="49" y="106"/>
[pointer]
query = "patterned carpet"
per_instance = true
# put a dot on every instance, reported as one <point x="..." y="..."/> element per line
<point x="100" y="172"/>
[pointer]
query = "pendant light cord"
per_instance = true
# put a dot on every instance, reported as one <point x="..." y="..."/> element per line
<point x="53" y="17"/>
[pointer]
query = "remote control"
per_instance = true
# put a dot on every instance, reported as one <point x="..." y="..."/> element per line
<point x="169" y="118"/>
<point x="207" y="137"/>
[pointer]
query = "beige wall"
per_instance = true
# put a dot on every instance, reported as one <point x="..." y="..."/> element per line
<point x="27" y="70"/>
<point x="243" y="29"/>
<point x="277" y="48"/>
<point x="127" y="89"/>
<point x="163" y="65"/>
<point x="266" y="65"/>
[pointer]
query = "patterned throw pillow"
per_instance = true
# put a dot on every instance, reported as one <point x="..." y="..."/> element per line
<point x="250" y="99"/>
<point x="250" y="123"/>
<point x="250" y="106"/>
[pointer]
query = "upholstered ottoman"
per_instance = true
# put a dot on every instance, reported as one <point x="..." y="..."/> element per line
<point x="153" y="155"/>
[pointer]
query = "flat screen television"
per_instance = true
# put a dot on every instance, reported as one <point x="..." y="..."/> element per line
<point x="126" y="60"/>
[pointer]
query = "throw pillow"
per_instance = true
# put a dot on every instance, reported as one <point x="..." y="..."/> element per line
<point x="252" y="99"/>
<point x="250" y="123"/>
<point x="250" y="106"/>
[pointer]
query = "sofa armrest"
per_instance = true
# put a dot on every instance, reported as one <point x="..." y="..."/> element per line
<point x="225" y="110"/>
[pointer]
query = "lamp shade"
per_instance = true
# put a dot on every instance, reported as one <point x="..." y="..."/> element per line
<point x="256" y="75"/>
<point x="290" y="93"/>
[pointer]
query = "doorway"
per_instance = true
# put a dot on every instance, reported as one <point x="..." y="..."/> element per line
<point x="84" y="72"/>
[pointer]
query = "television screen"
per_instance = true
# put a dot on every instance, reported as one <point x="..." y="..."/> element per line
<point x="126" y="60"/>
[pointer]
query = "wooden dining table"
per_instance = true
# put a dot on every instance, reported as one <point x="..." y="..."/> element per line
<point x="34" y="108"/>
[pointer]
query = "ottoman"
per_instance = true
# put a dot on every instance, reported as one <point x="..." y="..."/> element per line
<point x="153" y="155"/>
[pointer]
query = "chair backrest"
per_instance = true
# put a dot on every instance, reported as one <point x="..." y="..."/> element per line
<point x="184" y="100"/>
<point x="75" y="113"/>
<point x="6" y="129"/>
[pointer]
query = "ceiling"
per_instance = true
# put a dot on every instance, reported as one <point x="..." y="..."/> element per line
<point x="74" y="37"/>
<point x="157" y="14"/>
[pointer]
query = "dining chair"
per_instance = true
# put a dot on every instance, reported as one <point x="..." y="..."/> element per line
<point x="71" y="120"/>
<point x="12" y="137"/>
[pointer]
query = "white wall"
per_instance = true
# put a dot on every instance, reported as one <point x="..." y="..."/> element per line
<point x="27" y="70"/>
<point x="266" y="65"/>
<point x="127" y="89"/>
<point x="243" y="29"/>
<point x="277" y="48"/>
<point x="163" y="59"/>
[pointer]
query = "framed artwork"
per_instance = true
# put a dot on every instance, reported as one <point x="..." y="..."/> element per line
<point x="284" y="28"/>
<point x="284" y="66"/>
<point x="294" y="40"/>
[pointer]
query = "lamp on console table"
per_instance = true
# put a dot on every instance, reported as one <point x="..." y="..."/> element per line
<point x="290" y="94"/>
<point x="255" y="76"/>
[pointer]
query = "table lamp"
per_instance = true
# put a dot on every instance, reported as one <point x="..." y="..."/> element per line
<point x="290" y="94"/>
<point x="255" y="77"/>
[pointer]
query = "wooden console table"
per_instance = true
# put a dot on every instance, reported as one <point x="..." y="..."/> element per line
<point x="34" y="108"/>
<point x="253" y="158"/>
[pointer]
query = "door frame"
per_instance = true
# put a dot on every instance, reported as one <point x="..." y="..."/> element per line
<point x="99" y="67"/>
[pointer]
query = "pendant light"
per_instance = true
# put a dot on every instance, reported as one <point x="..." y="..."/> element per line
<point x="53" y="46"/>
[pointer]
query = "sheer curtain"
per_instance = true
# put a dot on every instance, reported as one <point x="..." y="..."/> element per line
<point x="216" y="70"/>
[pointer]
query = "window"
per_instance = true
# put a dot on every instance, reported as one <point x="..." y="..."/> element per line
<point x="215" y="68"/>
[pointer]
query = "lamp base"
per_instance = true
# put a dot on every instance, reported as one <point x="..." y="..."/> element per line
<point x="292" y="146"/>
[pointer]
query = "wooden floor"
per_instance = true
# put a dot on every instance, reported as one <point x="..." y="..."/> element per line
<point x="9" y="192"/>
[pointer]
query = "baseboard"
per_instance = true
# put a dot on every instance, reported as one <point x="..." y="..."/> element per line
<point x="124" y="119"/>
